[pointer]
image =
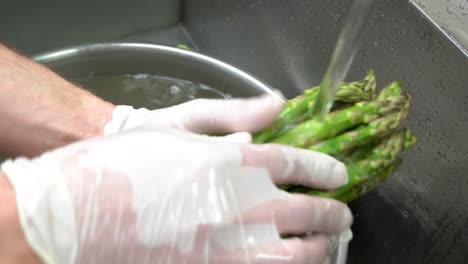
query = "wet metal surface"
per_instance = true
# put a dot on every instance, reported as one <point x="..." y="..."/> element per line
<point x="421" y="214"/>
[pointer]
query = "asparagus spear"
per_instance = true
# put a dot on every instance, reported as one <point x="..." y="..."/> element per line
<point x="367" y="166"/>
<point x="365" y="184"/>
<point x="394" y="88"/>
<point x="364" y="134"/>
<point x="312" y="131"/>
<point x="298" y="109"/>
<point x="359" y="131"/>
<point x="349" y="117"/>
<point x="366" y="173"/>
<point x="371" y="83"/>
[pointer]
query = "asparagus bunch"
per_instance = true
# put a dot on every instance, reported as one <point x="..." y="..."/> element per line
<point x="362" y="130"/>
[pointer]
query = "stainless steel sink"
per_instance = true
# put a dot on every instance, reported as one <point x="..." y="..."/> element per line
<point x="421" y="214"/>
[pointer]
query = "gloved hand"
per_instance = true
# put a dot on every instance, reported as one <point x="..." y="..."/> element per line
<point x="204" y="116"/>
<point x="156" y="194"/>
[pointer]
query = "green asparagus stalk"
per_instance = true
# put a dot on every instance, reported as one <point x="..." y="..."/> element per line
<point x="364" y="134"/>
<point x="371" y="86"/>
<point x="361" y="131"/>
<point x="313" y="131"/>
<point x="364" y="151"/>
<point x="362" y="185"/>
<point x="358" y="184"/>
<point x="369" y="89"/>
<point x="365" y="174"/>
<point x="394" y="88"/>
<point x="299" y="109"/>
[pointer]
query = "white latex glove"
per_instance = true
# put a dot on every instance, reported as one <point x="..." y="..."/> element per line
<point x="156" y="194"/>
<point x="204" y="116"/>
<point x="241" y="117"/>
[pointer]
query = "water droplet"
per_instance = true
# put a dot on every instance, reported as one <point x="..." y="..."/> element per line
<point x="405" y="214"/>
<point x="429" y="123"/>
<point x="451" y="100"/>
<point x="449" y="10"/>
<point x="462" y="6"/>
<point x="423" y="4"/>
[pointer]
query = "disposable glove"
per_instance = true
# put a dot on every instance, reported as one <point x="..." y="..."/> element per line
<point x="204" y="116"/>
<point x="157" y="194"/>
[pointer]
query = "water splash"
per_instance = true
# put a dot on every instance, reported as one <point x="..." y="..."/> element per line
<point x="150" y="91"/>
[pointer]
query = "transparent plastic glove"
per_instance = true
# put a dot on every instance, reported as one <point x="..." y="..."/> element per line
<point x="204" y="116"/>
<point x="237" y="116"/>
<point x="163" y="195"/>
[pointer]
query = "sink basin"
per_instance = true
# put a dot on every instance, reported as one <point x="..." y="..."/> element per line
<point x="420" y="214"/>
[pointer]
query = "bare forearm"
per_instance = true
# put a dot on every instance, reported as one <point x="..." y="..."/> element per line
<point x="40" y="111"/>
<point x="13" y="245"/>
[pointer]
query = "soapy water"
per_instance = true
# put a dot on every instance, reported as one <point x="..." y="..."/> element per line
<point x="149" y="91"/>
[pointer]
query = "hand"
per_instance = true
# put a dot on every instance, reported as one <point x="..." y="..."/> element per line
<point x="165" y="195"/>
<point x="203" y="116"/>
<point x="13" y="245"/>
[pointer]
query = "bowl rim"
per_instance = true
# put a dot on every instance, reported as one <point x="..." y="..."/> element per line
<point x="58" y="54"/>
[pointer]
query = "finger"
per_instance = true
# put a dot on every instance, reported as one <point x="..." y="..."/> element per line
<point x="313" y="249"/>
<point x="310" y="250"/>
<point x="228" y="116"/>
<point x="299" y="214"/>
<point x="236" y="138"/>
<point x="239" y="137"/>
<point x="289" y="165"/>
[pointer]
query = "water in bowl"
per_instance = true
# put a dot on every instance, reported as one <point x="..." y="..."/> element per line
<point x="149" y="91"/>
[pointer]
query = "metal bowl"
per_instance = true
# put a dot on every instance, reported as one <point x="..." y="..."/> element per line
<point x="132" y="58"/>
<point x="81" y="62"/>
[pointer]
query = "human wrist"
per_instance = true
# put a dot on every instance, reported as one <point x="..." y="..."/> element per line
<point x="96" y="114"/>
<point x="125" y="117"/>
<point x="14" y="247"/>
<point x="41" y="111"/>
